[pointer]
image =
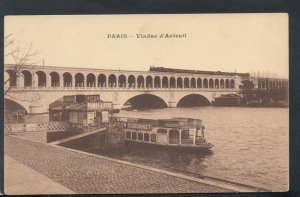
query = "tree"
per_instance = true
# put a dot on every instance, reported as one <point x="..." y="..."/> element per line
<point x="21" y="56"/>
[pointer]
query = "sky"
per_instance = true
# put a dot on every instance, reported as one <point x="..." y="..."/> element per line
<point x="214" y="42"/>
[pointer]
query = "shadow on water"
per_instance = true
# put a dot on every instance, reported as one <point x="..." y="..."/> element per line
<point x="169" y="159"/>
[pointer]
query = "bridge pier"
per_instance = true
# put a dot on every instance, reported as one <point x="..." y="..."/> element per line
<point x="37" y="109"/>
<point x="117" y="105"/>
<point x="172" y="104"/>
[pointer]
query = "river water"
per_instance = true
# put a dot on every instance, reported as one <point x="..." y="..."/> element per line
<point x="251" y="145"/>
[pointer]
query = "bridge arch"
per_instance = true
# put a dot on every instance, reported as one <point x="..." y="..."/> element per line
<point x="193" y="83"/>
<point x="157" y="82"/>
<point x="27" y="78"/>
<point x="149" y="82"/>
<point x="79" y="80"/>
<point x="6" y="79"/>
<point x="55" y="81"/>
<point x="122" y="81"/>
<point x="227" y="83"/>
<point x="90" y="80"/>
<point x="11" y="104"/>
<point x="172" y="82"/>
<point x="199" y="83"/>
<point x="12" y="77"/>
<point x="165" y="82"/>
<point x="131" y="81"/>
<point x="211" y="83"/>
<point x="222" y="83"/>
<point x="112" y="80"/>
<point x="41" y="78"/>
<point x="192" y="100"/>
<point x="101" y="80"/>
<point x="205" y="83"/>
<point x="232" y="83"/>
<point x="179" y="82"/>
<point x="217" y="84"/>
<point x="67" y="79"/>
<point x="141" y="101"/>
<point x="140" y="81"/>
<point x="186" y="82"/>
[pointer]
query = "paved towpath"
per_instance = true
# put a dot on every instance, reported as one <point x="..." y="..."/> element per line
<point x="20" y="179"/>
<point x="88" y="174"/>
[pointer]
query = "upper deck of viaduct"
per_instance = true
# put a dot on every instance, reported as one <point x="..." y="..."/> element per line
<point x="32" y="77"/>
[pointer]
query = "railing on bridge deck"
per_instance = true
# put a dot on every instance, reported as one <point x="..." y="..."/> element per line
<point x="29" y="88"/>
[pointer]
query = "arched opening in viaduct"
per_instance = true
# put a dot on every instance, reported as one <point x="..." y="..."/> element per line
<point x="222" y="84"/>
<point x="193" y="100"/>
<point x="172" y="82"/>
<point x="41" y="78"/>
<point x="67" y="78"/>
<point x="27" y="78"/>
<point x="231" y="83"/>
<point x="165" y="82"/>
<point x="211" y="83"/>
<point x="90" y="80"/>
<point x="101" y="80"/>
<point x="140" y="81"/>
<point x="6" y="79"/>
<point x="12" y="106"/>
<point x="179" y="82"/>
<point x="186" y="83"/>
<point x="12" y="78"/>
<point x="193" y="83"/>
<point x="54" y="79"/>
<point x="157" y="82"/>
<point x="205" y="83"/>
<point x="146" y="101"/>
<point x="79" y="80"/>
<point x="217" y="85"/>
<point x="131" y="81"/>
<point x="112" y="80"/>
<point x="227" y="83"/>
<point x="199" y="83"/>
<point x="149" y="82"/>
<point x="122" y="81"/>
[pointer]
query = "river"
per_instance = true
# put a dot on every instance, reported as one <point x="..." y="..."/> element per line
<point x="251" y="145"/>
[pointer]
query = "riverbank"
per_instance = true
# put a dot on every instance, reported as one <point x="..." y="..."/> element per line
<point x="20" y="179"/>
<point x="91" y="174"/>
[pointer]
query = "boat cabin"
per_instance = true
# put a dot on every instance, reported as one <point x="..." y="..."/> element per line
<point x="171" y="132"/>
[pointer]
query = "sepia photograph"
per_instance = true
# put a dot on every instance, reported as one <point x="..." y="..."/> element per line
<point x="146" y="103"/>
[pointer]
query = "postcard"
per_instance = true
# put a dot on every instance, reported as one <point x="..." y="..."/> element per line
<point x="146" y="103"/>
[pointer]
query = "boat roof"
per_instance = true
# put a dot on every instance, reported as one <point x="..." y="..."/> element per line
<point x="185" y="119"/>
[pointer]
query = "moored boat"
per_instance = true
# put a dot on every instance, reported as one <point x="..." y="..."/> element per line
<point x="180" y="133"/>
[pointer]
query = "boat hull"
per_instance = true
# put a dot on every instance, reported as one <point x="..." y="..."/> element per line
<point x="196" y="148"/>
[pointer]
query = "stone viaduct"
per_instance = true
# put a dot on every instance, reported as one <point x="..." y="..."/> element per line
<point x="35" y="87"/>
